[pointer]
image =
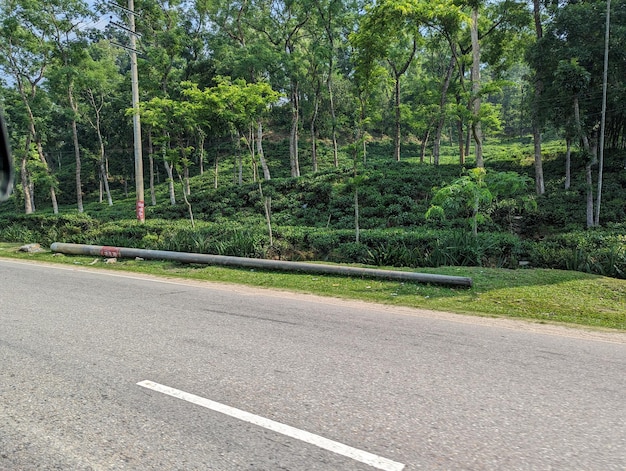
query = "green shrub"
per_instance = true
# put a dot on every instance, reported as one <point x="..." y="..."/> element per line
<point x="313" y="216"/>
<point x="47" y="228"/>
<point x="18" y="233"/>
<point x="601" y="251"/>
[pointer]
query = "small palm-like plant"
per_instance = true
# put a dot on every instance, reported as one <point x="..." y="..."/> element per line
<point x="475" y="193"/>
<point x="468" y="194"/>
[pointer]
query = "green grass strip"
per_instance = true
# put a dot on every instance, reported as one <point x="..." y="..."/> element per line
<point x="554" y="296"/>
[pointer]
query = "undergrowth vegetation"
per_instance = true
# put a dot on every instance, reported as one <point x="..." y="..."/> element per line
<point x="314" y="218"/>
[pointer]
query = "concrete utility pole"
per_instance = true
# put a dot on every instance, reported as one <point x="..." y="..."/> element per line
<point x="603" y="120"/>
<point x="140" y="206"/>
<point x="132" y="49"/>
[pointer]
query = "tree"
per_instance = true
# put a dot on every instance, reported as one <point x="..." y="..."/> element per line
<point x="282" y="23"/>
<point x="388" y="31"/>
<point x="477" y="131"/>
<point x="536" y="119"/>
<point x="567" y="57"/>
<point x="333" y="15"/>
<point x="472" y="195"/>
<point x="158" y="114"/>
<point x="98" y="80"/>
<point x="426" y="95"/>
<point x="466" y="194"/>
<point x="240" y="104"/>
<point x="25" y="42"/>
<point x="392" y="31"/>
<point x="69" y="53"/>
<point x="495" y="32"/>
<point x="169" y="45"/>
<point x="574" y="80"/>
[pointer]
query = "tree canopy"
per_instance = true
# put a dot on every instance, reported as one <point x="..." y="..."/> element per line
<point x="216" y="74"/>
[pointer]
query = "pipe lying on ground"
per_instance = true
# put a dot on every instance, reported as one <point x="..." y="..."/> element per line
<point x="120" y="252"/>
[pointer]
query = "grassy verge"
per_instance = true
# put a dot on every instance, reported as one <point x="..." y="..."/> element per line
<point x="534" y="294"/>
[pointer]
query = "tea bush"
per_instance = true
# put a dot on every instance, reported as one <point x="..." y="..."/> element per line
<point x="313" y="217"/>
<point x="601" y="251"/>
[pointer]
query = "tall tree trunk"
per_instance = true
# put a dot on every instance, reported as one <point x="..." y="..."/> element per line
<point x="362" y="132"/>
<point x="461" y="135"/>
<point x="396" y="134"/>
<point x="540" y="187"/>
<point x="267" y="207"/>
<point x="239" y="168"/>
<point x="252" y="148"/>
<point x="103" y="164"/>
<point x="596" y="220"/>
<point x="397" y="74"/>
<point x="40" y="153"/>
<point x="441" y="120"/>
<point x="102" y="160"/>
<point x="31" y="184"/>
<point x="183" y="185"/>
<point x="100" y="187"/>
<point x="477" y="131"/>
<point x="79" y="183"/>
<point x="568" y="162"/>
<point x="28" y="200"/>
<point x="316" y="106"/>
<point x="589" y="187"/>
<point x="201" y="139"/>
<point x="463" y="149"/>
<point x="588" y="164"/>
<point x="357" y="229"/>
<point x="259" y="144"/>
<point x="216" y="170"/>
<point x="539" y="179"/>
<point x="53" y="193"/>
<point x="151" y="165"/>
<point x="329" y="81"/>
<point x="25" y="177"/>
<point x="333" y="114"/>
<point x="424" y="145"/>
<point x="293" y="138"/>
<point x="187" y="181"/>
<point x="105" y="177"/>
<point x="19" y="78"/>
<point x="169" y="169"/>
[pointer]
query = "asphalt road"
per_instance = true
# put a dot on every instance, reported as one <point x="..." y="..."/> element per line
<point x="103" y="371"/>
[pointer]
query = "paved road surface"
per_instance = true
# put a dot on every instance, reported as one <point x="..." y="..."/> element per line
<point x="102" y="371"/>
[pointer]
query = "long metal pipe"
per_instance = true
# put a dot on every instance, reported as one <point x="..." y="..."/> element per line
<point x="122" y="252"/>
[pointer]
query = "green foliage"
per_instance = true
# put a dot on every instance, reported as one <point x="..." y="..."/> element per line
<point x="468" y="194"/>
<point x="313" y="219"/>
<point x="473" y="196"/>
<point x="407" y="248"/>
<point x="599" y="251"/>
<point x="19" y="233"/>
<point x="232" y="241"/>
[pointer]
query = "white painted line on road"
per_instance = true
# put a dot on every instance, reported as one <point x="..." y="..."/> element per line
<point x="358" y="455"/>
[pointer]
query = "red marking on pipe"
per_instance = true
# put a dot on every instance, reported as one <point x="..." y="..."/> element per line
<point x="141" y="212"/>
<point x="110" y="252"/>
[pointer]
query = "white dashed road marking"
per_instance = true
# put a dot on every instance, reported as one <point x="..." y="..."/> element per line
<point x="358" y="455"/>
